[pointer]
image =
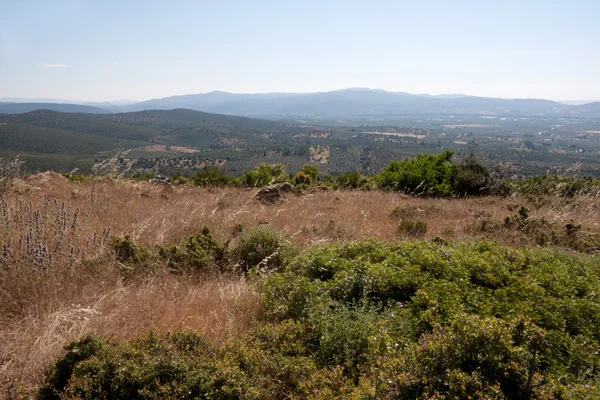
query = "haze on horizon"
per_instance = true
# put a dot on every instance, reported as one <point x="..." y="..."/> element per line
<point x="106" y="50"/>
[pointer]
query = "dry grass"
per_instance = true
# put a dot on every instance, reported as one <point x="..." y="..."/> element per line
<point x="65" y="306"/>
<point x="42" y="311"/>
<point x="152" y="215"/>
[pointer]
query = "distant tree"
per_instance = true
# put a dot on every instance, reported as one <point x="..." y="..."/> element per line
<point x="311" y="170"/>
<point x="425" y="174"/>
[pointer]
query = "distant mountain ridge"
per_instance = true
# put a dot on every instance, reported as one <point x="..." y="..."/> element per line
<point x="19" y="108"/>
<point x="345" y="102"/>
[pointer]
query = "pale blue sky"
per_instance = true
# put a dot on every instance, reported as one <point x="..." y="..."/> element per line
<point x="106" y="50"/>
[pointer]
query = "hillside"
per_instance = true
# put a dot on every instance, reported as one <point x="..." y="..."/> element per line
<point x="167" y="141"/>
<point x="148" y="289"/>
<point x="47" y="131"/>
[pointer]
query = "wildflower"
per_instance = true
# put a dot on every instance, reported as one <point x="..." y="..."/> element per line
<point x="259" y="248"/>
<point x="400" y="304"/>
<point x="587" y="386"/>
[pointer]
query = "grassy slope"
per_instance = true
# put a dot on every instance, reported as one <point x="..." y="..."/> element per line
<point x="40" y="315"/>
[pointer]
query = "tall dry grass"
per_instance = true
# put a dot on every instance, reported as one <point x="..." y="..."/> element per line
<point x="65" y="284"/>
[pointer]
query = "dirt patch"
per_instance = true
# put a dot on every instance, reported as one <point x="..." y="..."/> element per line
<point x="48" y="178"/>
<point x="400" y="134"/>
<point x="164" y="148"/>
<point x="468" y="126"/>
<point x="319" y="154"/>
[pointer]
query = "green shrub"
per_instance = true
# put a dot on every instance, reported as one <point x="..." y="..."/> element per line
<point x="197" y="253"/>
<point x="265" y="174"/>
<point x="143" y="176"/>
<point x="136" y="259"/>
<point x="174" y="366"/>
<point x="311" y="170"/>
<point x="425" y="175"/>
<point x="353" y="180"/>
<point x="59" y="374"/>
<point x="263" y="246"/>
<point x="473" y="177"/>
<point x="377" y="320"/>
<point x="210" y="176"/>
<point x="303" y="178"/>
<point x="412" y="227"/>
<point x="460" y="320"/>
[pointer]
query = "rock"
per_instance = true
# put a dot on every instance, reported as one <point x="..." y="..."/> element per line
<point x="286" y="187"/>
<point x="269" y="194"/>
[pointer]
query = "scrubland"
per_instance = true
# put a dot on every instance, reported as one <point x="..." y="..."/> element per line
<point x="328" y="320"/>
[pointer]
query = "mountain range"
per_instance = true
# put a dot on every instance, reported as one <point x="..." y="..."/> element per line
<point x="347" y="102"/>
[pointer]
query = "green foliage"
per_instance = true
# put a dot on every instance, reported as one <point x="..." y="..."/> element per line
<point x="197" y="253"/>
<point x="376" y="320"/>
<point x="143" y="176"/>
<point x="473" y="177"/>
<point x="468" y="320"/>
<point x="174" y="366"/>
<point x="210" y="176"/>
<point x="353" y="180"/>
<point x="311" y="170"/>
<point x="58" y="376"/>
<point x="263" y="246"/>
<point x="425" y="174"/>
<point x="302" y="178"/>
<point x="265" y="174"/>
<point x="135" y="259"/>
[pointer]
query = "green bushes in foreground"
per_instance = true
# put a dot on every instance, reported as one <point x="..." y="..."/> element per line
<point x="371" y="320"/>
<point x="423" y="175"/>
<point x="257" y="247"/>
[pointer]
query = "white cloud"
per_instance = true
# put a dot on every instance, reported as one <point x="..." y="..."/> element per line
<point x="52" y="65"/>
<point x="119" y="63"/>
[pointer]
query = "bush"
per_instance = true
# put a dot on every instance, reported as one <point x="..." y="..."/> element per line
<point x="172" y="366"/>
<point x="424" y="175"/>
<point x="264" y="175"/>
<point x="311" y="170"/>
<point x="197" y="253"/>
<point x="263" y="246"/>
<point x="353" y="180"/>
<point x="210" y="176"/>
<point x="302" y="179"/>
<point x="473" y="177"/>
<point x="376" y="320"/>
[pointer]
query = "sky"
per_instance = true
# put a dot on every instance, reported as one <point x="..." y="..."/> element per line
<point x="104" y="50"/>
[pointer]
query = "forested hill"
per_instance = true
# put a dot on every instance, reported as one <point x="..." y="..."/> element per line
<point x="52" y="132"/>
<point x="16" y="108"/>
